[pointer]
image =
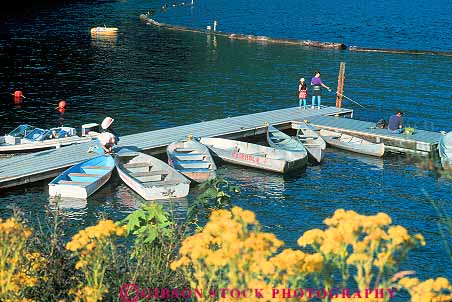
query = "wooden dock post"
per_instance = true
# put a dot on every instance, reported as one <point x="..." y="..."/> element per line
<point x="340" y="85"/>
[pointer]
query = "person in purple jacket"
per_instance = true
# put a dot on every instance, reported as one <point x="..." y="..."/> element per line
<point x="317" y="84"/>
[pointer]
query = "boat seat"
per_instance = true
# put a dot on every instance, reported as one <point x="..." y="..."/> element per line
<point x="184" y="150"/>
<point x="128" y="154"/>
<point x="193" y="170"/>
<point x="185" y="162"/>
<point x="345" y="139"/>
<point x="151" y="173"/>
<point x="161" y="183"/>
<point x="356" y="140"/>
<point x="84" y="175"/>
<point x="70" y="182"/>
<point x="306" y="137"/>
<point x="96" y="167"/>
<point x="137" y="165"/>
<point x="190" y="156"/>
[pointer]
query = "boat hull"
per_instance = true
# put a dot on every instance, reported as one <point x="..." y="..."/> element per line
<point x="352" y="144"/>
<point x="312" y="141"/>
<point x="84" y="179"/>
<point x="175" y="186"/>
<point x="256" y="156"/>
<point x="104" y="31"/>
<point x="192" y="159"/>
<point x="445" y="150"/>
<point x="48" y="144"/>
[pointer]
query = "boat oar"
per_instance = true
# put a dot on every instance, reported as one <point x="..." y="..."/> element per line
<point x="351" y="100"/>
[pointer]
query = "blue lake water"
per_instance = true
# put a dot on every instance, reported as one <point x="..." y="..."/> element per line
<point x="149" y="79"/>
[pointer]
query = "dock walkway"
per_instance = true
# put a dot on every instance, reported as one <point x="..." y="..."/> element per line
<point x="421" y="142"/>
<point x="23" y="169"/>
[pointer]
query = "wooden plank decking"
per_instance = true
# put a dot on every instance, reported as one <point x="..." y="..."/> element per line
<point x="32" y="167"/>
<point x="422" y="142"/>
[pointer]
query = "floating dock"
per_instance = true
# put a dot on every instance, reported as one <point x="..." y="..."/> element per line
<point x="23" y="169"/>
<point x="421" y="142"/>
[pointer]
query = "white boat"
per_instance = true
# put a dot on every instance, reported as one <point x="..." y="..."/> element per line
<point x="445" y="150"/>
<point x="352" y="143"/>
<point x="26" y="138"/>
<point x="83" y="179"/>
<point x="103" y="30"/>
<point x="192" y="159"/>
<point x="312" y="141"/>
<point x="279" y="140"/>
<point x="256" y="156"/>
<point x="150" y="177"/>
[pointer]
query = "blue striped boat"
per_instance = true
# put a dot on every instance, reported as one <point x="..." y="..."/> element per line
<point x="192" y="159"/>
<point x="83" y="179"/>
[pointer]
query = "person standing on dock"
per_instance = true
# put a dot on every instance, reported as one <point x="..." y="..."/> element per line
<point x="302" y="93"/>
<point x="395" y="123"/>
<point x="317" y="84"/>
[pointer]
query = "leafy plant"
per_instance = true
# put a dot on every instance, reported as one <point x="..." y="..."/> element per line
<point x="216" y="195"/>
<point x="156" y="238"/>
<point x="148" y="223"/>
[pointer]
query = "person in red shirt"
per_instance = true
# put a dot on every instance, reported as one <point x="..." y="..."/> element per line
<point x="302" y="93"/>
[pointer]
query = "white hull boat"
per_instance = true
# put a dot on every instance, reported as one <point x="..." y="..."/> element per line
<point x="445" y="150"/>
<point x="312" y="141"/>
<point x="256" y="156"/>
<point x="192" y="159"/>
<point x="83" y="179"/>
<point x="26" y="138"/>
<point x="150" y="177"/>
<point x="352" y="143"/>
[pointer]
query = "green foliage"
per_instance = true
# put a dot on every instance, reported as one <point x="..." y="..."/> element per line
<point x="148" y="223"/>
<point x="156" y="239"/>
<point x="216" y="194"/>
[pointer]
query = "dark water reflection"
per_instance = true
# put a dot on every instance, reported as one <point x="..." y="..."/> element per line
<point x="151" y="79"/>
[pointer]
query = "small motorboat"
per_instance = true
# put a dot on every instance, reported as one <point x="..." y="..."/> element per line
<point x="280" y="140"/>
<point x="311" y="140"/>
<point x="256" y="156"/>
<point x="103" y="30"/>
<point x="150" y="177"/>
<point x="26" y="138"/>
<point x="83" y="179"/>
<point x="192" y="159"/>
<point x="352" y="143"/>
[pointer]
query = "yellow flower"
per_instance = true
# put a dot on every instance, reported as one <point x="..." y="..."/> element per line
<point x="358" y="258"/>
<point x="313" y="263"/>
<point x="398" y="234"/>
<point x="314" y="236"/>
<point x="409" y="282"/>
<point x="441" y="283"/>
<point x="420" y="239"/>
<point x="249" y="217"/>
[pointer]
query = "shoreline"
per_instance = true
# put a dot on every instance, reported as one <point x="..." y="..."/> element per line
<point x="307" y="43"/>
